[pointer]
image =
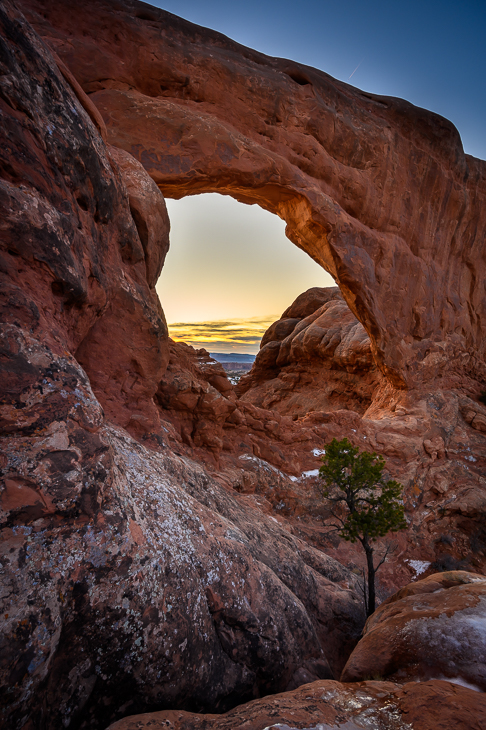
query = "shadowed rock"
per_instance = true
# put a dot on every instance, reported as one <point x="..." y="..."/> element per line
<point x="330" y="705"/>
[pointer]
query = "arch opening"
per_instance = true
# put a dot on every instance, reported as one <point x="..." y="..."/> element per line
<point x="232" y="277"/>
<point x="230" y="273"/>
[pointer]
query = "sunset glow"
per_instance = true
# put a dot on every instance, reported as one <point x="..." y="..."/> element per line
<point x="232" y="335"/>
<point x="229" y="265"/>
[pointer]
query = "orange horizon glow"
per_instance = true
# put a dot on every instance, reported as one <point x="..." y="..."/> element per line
<point x="231" y="335"/>
<point x="229" y="263"/>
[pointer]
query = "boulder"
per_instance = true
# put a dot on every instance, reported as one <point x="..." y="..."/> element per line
<point x="434" y="628"/>
<point x="433" y="705"/>
<point x="321" y="361"/>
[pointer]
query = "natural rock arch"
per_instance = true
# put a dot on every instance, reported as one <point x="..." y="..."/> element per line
<point x="377" y="191"/>
<point x="103" y="538"/>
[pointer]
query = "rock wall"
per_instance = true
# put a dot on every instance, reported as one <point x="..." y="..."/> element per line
<point x="136" y="578"/>
<point x="130" y="578"/>
<point x="376" y="190"/>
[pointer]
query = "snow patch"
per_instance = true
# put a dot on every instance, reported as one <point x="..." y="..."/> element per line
<point x="419" y="566"/>
<point x="460" y="681"/>
<point x="311" y="473"/>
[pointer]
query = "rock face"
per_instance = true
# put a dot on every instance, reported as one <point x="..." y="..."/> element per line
<point x="316" y="357"/>
<point x="72" y="258"/>
<point x="327" y="705"/>
<point x="133" y="577"/>
<point x="130" y="578"/>
<point x="434" y="628"/>
<point x="204" y="419"/>
<point x="348" y="171"/>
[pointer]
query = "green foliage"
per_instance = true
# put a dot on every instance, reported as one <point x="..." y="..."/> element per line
<point x="365" y="505"/>
<point x="482" y="397"/>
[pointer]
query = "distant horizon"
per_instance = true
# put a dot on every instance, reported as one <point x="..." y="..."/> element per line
<point x="229" y="261"/>
<point x="237" y="336"/>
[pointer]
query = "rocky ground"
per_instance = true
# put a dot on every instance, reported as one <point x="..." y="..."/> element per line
<point x="163" y="546"/>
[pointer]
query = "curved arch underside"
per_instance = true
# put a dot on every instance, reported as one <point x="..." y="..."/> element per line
<point x="377" y="191"/>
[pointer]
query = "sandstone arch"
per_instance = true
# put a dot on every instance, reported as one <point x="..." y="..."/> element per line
<point x="377" y="191"/>
<point x="112" y="553"/>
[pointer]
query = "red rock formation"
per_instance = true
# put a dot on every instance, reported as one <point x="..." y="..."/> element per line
<point x="316" y="357"/>
<point x="349" y="172"/>
<point x="208" y="422"/>
<point x="377" y="705"/>
<point x="131" y="579"/>
<point x="376" y="190"/>
<point x="434" y="628"/>
<point x="135" y="579"/>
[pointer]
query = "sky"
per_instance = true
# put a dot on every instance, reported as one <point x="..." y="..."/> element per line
<point x="431" y="53"/>
<point x="230" y="272"/>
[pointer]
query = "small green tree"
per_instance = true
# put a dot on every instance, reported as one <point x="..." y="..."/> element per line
<point x="365" y="505"/>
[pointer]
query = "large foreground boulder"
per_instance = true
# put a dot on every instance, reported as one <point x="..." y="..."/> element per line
<point x="331" y="705"/>
<point x="434" y="628"/>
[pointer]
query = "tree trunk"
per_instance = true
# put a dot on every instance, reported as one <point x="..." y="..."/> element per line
<point x="371" y="579"/>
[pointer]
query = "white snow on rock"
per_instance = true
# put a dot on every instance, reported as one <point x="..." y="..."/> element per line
<point x="419" y="566"/>
<point x="308" y="474"/>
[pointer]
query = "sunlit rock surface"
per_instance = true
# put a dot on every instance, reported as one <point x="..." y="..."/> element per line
<point x="316" y="357"/>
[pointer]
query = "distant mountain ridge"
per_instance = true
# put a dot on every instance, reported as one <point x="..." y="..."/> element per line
<point x="232" y="357"/>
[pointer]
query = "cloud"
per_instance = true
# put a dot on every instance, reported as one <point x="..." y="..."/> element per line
<point x="231" y="335"/>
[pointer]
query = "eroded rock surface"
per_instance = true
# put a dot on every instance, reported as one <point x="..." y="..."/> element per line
<point x="330" y="705"/>
<point x="376" y="190"/>
<point x="316" y="357"/>
<point x="130" y="578"/>
<point x="349" y="172"/>
<point x="135" y="579"/>
<point x="435" y="627"/>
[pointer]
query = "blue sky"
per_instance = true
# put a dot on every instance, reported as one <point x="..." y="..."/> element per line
<point x="432" y="53"/>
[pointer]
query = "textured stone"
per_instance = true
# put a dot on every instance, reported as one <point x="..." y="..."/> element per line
<point x="136" y="578"/>
<point x="130" y="578"/>
<point x="434" y="628"/>
<point x="347" y="170"/>
<point x="147" y="207"/>
<point x="316" y="357"/>
<point x="328" y="705"/>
